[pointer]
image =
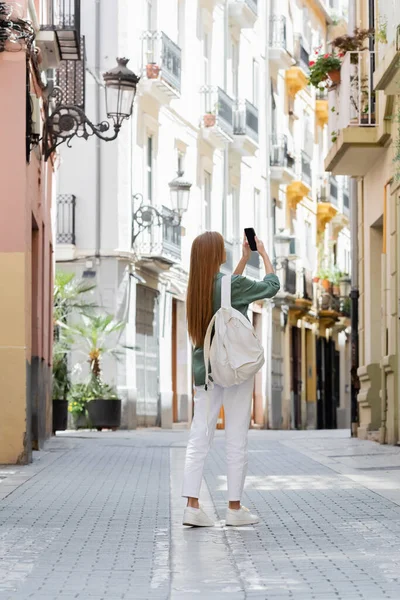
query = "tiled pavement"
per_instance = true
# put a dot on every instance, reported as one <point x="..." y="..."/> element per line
<point x="97" y="515"/>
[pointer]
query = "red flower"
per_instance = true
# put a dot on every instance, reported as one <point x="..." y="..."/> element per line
<point x="326" y="55"/>
<point x="311" y="63"/>
<point x="341" y="54"/>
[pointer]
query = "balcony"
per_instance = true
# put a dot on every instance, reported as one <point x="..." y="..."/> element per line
<point x="253" y="266"/>
<point x="160" y="247"/>
<point x="65" y="227"/>
<point x="280" y="43"/>
<point x="328" y="310"/>
<point x="60" y="31"/>
<point x="387" y="74"/>
<point x="245" y="128"/>
<point x="322" y="108"/>
<point x="161" y="67"/>
<point x="290" y="278"/>
<point x="327" y="205"/>
<point x="356" y="141"/>
<point x="306" y="173"/>
<point x="243" y="13"/>
<point x="218" y="119"/>
<point x="282" y="162"/>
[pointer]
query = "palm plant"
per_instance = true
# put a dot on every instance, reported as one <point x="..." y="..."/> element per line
<point x="92" y="338"/>
<point x="68" y="295"/>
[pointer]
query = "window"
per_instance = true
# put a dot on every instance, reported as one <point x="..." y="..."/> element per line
<point x="207" y="200"/>
<point x="235" y="69"/>
<point x="181" y="22"/>
<point x="231" y="220"/>
<point x="256" y="82"/>
<point x="149" y="14"/>
<point x="149" y="168"/>
<point x="256" y="207"/>
<point x="180" y="162"/>
<point x="206" y="57"/>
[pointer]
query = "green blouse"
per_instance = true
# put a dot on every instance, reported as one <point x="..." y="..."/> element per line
<point x="244" y="292"/>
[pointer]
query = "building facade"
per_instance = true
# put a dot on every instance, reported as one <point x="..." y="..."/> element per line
<point x="26" y="244"/>
<point x="366" y="148"/>
<point x="223" y="97"/>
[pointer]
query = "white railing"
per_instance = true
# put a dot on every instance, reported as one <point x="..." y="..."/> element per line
<point x="352" y="102"/>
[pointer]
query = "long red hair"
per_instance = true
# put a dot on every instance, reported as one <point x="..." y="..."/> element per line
<point x="207" y="255"/>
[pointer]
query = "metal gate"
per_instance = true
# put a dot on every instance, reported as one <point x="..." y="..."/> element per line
<point x="147" y="357"/>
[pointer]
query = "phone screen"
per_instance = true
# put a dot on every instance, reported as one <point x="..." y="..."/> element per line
<point x="251" y="234"/>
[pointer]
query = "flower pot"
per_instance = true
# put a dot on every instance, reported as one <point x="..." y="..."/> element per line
<point x="152" y="71"/>
<point x="60" y="415"/>
<point x="334" y="76"/>
<point x="80" y="421"/>
<point x="209" y="120"/>
<point x="315" y="279"/>
<point x="326" y="284"/>
<point x="104" y="413"/>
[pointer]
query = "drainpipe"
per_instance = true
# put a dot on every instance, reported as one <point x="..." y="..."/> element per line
<point x="384" y="339"/>
<point x="97" y="140"/>
<point x="354" y="295"/>
<point x="226" y="150"/>
<point x="270" y="220"/>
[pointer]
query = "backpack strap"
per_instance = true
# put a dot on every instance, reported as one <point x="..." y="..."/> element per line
<point x="226" y="283"/>
<point x="206" y="349"/>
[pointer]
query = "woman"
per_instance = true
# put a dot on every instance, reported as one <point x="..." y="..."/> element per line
<point x="203" y="301"/>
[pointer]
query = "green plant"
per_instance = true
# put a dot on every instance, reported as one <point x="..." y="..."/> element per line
<point x="77" y="399"/>
<point x="381" y="34"/>
<point x="82" y="393"/>
<point x="352" y="43"/>
<point x="334" y="136"/>
<point x="92" y="339"/>
<point x="68" y="297"/>
<point x="320" y="68"/>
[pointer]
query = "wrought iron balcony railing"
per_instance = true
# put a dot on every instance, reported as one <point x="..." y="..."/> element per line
<point x="161" y="58"/>
<point x="280" y="156"/>
<point x="290" y="278"/>
<point x="65" y="231"/>
<point x="246" y="120"/>
<point x="253" y="5"/>
<point x="306" y="173"/>
<point x="218" y="108"/>
<point x="64" y="17"/>
<point x="70" y="78"/>
<point x="161" y="242"/>
<point x="277" y="32"/>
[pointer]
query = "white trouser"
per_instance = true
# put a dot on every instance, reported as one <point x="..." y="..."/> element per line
<point x="237" y="407"/>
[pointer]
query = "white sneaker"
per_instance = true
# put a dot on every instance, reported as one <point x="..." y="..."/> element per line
<point x="239" y="517"/>
<point x="196" y="517"/>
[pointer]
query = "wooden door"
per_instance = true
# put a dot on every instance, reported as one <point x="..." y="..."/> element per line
<point x="296" y="376"/>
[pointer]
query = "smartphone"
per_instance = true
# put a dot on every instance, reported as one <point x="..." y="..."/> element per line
<point x="251" y="234"/>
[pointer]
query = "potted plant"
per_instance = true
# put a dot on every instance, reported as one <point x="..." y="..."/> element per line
<point x="209" y="119"/>
<point x="152" y="70"/>
<point x="352" y="43"/>
<point x="61" y="386"/>
<point x="68" y="296"/>
<point x="325" y="65"/>
<point x="324" y="278"/>
<point x="93" y="337"/>
<point x="77" y="401"/>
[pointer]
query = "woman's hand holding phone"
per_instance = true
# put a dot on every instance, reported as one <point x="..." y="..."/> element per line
<point x="246" y="251"/>
<point x="260" y="247"/>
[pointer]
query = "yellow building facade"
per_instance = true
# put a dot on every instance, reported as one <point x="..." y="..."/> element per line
<point x="364" y="141"/>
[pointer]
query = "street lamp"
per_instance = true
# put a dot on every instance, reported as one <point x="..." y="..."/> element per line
<point x="146" y="215"/>
<point x="345" y="287"/>
<point x="66" y="121"/>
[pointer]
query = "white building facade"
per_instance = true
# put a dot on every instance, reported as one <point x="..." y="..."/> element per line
<point x="223" y="97"/>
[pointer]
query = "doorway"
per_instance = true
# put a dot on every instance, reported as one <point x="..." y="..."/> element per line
<point x="296" y="376"/>
<point x="147" y="357"/>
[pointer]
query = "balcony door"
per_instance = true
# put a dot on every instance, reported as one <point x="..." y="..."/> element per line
<point x="296" y="376"/>
<point x="147" y="357"/>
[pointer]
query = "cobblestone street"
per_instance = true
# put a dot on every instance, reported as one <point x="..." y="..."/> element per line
<point x="99" y="516"/>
